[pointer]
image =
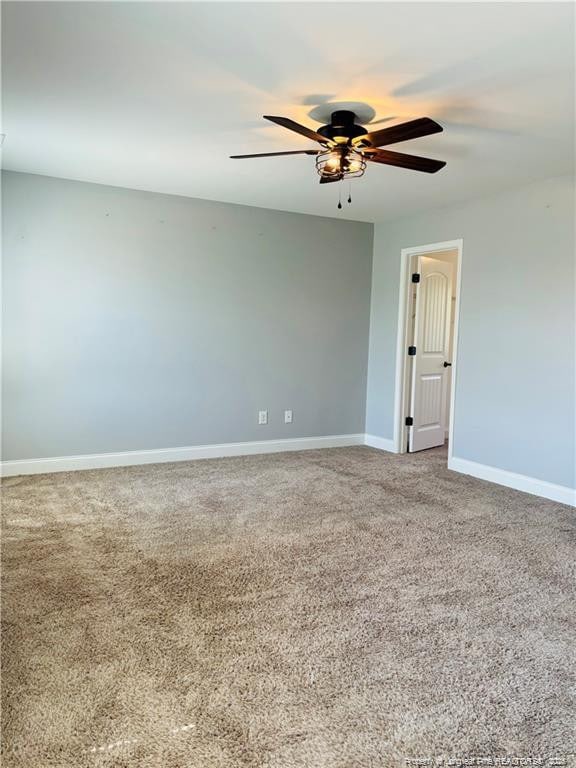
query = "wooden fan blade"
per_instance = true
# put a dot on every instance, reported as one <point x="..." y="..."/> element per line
<point x="415" y="163"/>
<point x="424" y="126"/>
<point x="329" y="179"/>
<point x="285" y="122"/>
<point x="277" y="154"/>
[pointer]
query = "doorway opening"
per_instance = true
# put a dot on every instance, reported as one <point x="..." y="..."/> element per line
<point x="426" y="355"/>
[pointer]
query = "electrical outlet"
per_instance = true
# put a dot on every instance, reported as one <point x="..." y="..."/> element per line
<point x="287" y="417"/>
<point x="262" y="417"/>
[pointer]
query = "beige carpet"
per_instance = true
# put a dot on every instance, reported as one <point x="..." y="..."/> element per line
<point x="326" y="609"/>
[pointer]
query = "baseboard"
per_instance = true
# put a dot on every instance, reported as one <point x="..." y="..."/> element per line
<point x="524" y="483"/>
<point x="532" y="485"/>
<point x="382" y="443"/>
<point x="132" y="458"/>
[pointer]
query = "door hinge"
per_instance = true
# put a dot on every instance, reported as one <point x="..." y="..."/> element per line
<point x="409" y="421"/>
<point x="416" y="277"/>
<point x="411" y="351"/>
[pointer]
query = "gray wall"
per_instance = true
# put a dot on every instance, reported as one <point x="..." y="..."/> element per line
<point x="134" y="320"/>
<point x="515" y="379"/>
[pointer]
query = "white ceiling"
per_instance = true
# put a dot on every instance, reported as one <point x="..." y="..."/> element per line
<point x="157" y="95"/>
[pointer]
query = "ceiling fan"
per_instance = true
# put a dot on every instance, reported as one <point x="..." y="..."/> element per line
<point x="347" y="147"/>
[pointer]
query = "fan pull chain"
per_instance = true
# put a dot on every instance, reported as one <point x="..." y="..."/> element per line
<point x="340" y="197"/>
<point x="349" y="191"/>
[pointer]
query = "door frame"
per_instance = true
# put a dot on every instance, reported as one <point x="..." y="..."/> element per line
<point x="402" y="358"/>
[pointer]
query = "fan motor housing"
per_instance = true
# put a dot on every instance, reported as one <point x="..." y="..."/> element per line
<point x="342" y="125"/>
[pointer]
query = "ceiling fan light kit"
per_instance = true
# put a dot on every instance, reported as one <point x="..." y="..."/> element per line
<point x="340" y="163"/>
<point x="347" y="147"/>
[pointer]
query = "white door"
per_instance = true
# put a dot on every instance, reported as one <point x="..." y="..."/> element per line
<point x="432" y="342"/>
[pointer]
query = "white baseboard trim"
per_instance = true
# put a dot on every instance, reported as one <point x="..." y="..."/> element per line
<point x="132" y="458"/>
<point x="382" y="443"/>
<point x="532" y="485"/>
<point x="524" y="483"/>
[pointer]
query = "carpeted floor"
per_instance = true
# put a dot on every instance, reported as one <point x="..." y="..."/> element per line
<point x="339" y="608"/>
